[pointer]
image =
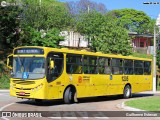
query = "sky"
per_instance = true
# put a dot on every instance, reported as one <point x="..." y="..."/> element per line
<point x="152" y="10"/>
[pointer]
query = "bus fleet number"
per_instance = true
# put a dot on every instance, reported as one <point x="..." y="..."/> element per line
<point x="124" y="78"/>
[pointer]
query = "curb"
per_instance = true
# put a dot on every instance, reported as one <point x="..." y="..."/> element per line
<point x="4" y="91"/>
<point x="129" y="108"/>
<point x="151" y="92"/>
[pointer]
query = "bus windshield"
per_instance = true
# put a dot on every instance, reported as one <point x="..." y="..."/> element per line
<point x="33" y="67"/>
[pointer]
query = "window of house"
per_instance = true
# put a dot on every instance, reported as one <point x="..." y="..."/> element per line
<point x="141" y="44"/>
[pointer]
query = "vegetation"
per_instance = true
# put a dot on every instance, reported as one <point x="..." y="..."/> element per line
<point x="9" y="25"/>
<point x="149" y="103"/>
<point x="158" y="84"/>
<point x="33" y="23"/>
<point x="4" y="78"/>
<point x="135" y="54"/>
<point x="133" y="20"/>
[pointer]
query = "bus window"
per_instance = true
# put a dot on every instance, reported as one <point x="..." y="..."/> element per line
<point x="128" y="67"/>
<point x="117" y="66"/>
<point x="104" y="65"/>
<point x="138" y="67"/>
<point x="55" y="72"/>
<point x="90" y="65"/>
<point x="34" y="66"/>
<point x="147" y="68"/>
<point x="74" y="64"/>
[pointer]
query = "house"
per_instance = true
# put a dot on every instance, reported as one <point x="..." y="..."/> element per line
<point x="73" y="40"/>
<point x="141" y="43"/>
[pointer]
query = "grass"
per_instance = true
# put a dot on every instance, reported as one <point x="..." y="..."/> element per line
<point x="149" y="104"/>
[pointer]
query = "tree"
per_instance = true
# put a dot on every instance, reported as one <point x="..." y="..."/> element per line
<point x="48" y="38"/>
<point x="49" y="16"/>
<point x="112" y="38"/>
<point x="45" y="16"/>
<point x="105" y="34"/>
<point x="132" y="20"/>
<point x="90" y="23"/>
<point x="9" y="25"/>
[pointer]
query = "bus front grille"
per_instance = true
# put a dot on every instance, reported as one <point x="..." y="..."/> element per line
<point x="22" y="82"/>
<point x="23" y="88"/>
<point x="22" y="95"/>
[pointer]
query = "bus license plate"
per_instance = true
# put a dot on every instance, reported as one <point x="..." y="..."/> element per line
<point x="22" y="93"/>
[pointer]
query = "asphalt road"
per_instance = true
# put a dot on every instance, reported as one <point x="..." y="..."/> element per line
<point x="110" y="103"/>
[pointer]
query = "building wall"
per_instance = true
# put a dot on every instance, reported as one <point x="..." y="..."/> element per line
<point x="73" y="39"/>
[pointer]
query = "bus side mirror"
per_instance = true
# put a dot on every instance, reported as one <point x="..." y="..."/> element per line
<point x="51" y="64"/>
<point x="10" y="61"/>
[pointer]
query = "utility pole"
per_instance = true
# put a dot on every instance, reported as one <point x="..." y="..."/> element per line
<point x="89" y="35"/>
<point x="88" y="8"/>
<point x="154" y="61"/>
<point x="154" y="55"/>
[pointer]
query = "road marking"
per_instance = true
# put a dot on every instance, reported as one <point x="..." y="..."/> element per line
<point x="1" y="109"/>
<point x="4" y="118"/>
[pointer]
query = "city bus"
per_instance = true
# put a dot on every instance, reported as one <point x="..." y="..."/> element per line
<point x="43" y="73"/>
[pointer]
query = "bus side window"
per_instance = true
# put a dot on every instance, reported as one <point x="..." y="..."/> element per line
<point x="73" y="64"/>
<point x="90" y="65"/>
<point x="147" y="67"/>
<point x="57" y="70"/>
<point x="117" y="66"/>
<point x="138" y="67"/>
<point x="104" y="65"/>
<point x="128" y="67"/>
<point x="101" y="66"/>
<point x="107" y="65"/>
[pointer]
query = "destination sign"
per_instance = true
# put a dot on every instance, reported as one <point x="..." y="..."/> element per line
<point x="29" y="51"/>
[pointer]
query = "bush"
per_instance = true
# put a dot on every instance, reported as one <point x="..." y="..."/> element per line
<point x="4" y="82"/>
<point x="140" y="55"/>
<point x="4" y="76"/>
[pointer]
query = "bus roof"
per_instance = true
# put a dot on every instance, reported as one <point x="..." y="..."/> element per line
<point x="84" y="52"/>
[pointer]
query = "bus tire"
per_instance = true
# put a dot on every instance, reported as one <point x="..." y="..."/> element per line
<point x="127" y="92"/>
<point x="69" y="96"/>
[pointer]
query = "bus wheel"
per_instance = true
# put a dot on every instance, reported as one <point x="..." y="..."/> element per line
<point x="69" y="96"/>
<point x="127" y="92"/>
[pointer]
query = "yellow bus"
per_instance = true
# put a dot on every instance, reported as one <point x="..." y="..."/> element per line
<point x="43" y="73"/>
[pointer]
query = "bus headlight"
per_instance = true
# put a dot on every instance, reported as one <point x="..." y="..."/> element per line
<point x="37" y="87"/>
<point x="41" y="85"/>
